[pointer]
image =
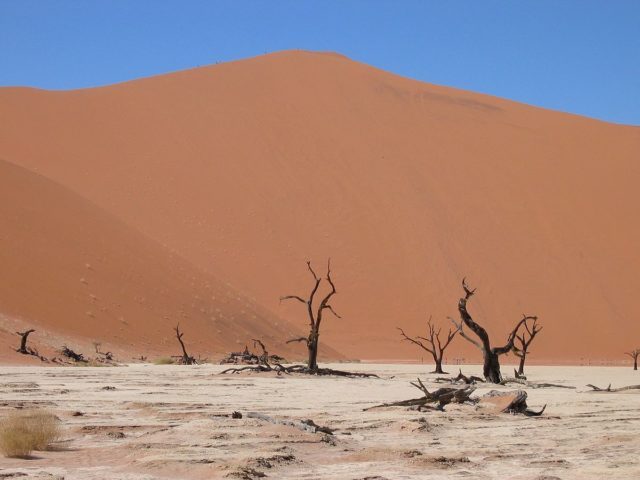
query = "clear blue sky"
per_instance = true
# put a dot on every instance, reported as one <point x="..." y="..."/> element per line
<point x="580" y="56"/>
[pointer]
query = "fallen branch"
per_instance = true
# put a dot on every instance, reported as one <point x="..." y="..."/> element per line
<point x="613" y="390"/>
<point x="249" y="358"/>
<point x="460" y="378"/>
<point x="513" y="380"/>
<point x="304" y="425"/>
<point x="442" y="396"/>
<point x="77" y="357"/>
<point x="548" y="385"/>
<point x="303" y="369"/>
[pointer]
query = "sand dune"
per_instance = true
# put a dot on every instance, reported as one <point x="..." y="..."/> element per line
<point x="78" y="274"/>
<point x="248" y="168"/>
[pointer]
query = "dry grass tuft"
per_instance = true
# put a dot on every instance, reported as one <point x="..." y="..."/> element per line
<point x="26" y="431"/>
<point x="164" y="361"/>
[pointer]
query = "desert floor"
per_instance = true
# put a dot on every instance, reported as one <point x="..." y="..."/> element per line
<point x="173" y="422"/>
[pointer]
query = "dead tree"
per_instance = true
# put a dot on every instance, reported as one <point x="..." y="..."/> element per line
<point x="23" y="342"/>
<point x="524" y="341"/>
<point x="491" y="355"/>
<point x="315" y="314"/>
<point x="634" y="354"/>
<point x="186" y="359"/>
<point x="433" y="344"/>
<point x="264" y="358"/>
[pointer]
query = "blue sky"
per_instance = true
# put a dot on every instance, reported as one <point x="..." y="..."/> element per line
<point x="579" y="56"/>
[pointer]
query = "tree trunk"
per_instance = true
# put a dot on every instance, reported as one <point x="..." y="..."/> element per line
<point x="312" y="346"/>
<point x="438" y="366"/>
<point x="521" y="367"/>
<point x="23" y="341"/>
<point x="491" y="367"/>
<point x="23" y="344"/>
<point x="635" y="363"/>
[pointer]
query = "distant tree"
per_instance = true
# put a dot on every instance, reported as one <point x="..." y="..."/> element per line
<point x="186" y="359"/>
<point x="522" y="349"/>
<point x="23" y="342"/>
<point x="431" y="343"/>
<point x="315" y="314"/>
<point x="634" y="354"/>
<point x="491" y="362"/>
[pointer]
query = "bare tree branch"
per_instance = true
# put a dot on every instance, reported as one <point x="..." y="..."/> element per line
<point x="460" y="329"/>
<point x="509" y="345"/>
<point x="432" y="343"/>
<point x="416" y="342"/>
<point x="468" y="321"/>
<point x="293" y="297"/>
<point x="330" y="308"/>
<point x="299" y="339"/>
<point x="325" y="300"/>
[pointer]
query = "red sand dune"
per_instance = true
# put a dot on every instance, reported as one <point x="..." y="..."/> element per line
<point x="248" y="168"/>
<point x="78" y="274"/>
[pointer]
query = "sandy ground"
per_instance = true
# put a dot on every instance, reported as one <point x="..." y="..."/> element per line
<point x="172" y="422"/>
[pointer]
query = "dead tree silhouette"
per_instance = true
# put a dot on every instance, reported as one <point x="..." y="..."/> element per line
<point x="315" y="314"/>
<point x="524" y="341"/>
<point x="432" y="343"/>
<point x="634" y="354"/>
<point x="491" y="355"/>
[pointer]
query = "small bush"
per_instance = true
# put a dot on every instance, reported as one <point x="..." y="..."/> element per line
<point x="164" y="361"/>
<point x="23" y="432"/>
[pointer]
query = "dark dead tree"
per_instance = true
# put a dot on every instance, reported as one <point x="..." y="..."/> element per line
<point x="23" y="342"/>
<point x="315" y="314"/>
<point x="432" y="344"/>
<point x="634" y="354"/>
<point x="186" y="359"/>
<point x="522" y="349"/>
<point x="264" y="358"/>
<point x="491" y="362"/>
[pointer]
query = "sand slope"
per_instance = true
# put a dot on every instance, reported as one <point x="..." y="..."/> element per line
<point x="249" y="168"/>
<point x="78" y="274"/>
